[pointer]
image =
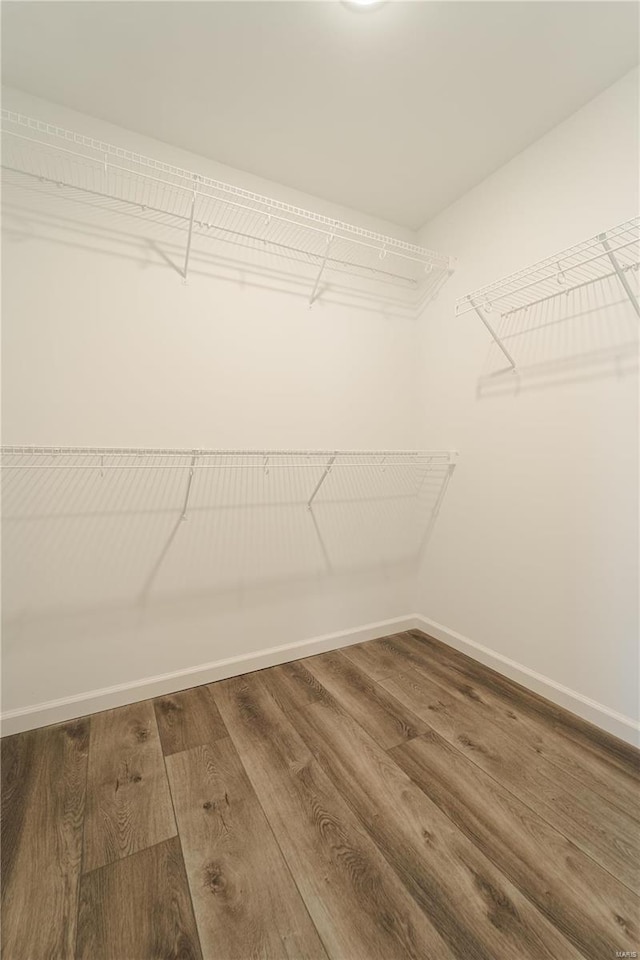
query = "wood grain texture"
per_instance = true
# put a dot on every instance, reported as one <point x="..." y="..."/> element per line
<point x="359" y="906"/>
<point x="373" y="658"/>
<point x="598" y="828"/>
<point x="603" y="764"/>
<point x="308" y="689"/>
<point x="508" y="709"/>
<point x="597" y="913"/>
<point x="43" y="796"/>
<point x="391" y="801"/>
<point x="138" y="908"/>
<point x="381" y="715"/>
<point x="594" y="741"/>
<point x="187" y="719"/>
<point x="474" y="907"/>
<point x="246" y="904"/>
<point x="128" y="800"/>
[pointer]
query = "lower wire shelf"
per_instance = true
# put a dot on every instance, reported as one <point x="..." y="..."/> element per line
<point x="413" y="465"/>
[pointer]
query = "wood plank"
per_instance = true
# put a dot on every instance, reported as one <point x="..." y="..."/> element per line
<point x="138" y="908"/>
<point x="128" y="800"/>
<point x="309" y="689"/>
<point x="596" y="912"/>
<point x="373" y="658"/>
<point x="187" y="719"/>
<point x="359" y="907"/>
<point x="381" y="715"/>
<point x="43" y="796"/>
<point x="591" y="739"/>
<point x="547" y="739"/>
<point x="477" y="910"/>
<point x="245" y="901"/>
<point x="600" y="829"/>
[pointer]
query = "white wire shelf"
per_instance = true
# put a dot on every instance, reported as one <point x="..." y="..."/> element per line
<point x="119" y="457"/>
<point x="101" y="460"/>
<point x="613" y="255"/>
<point x="52" y="159"/>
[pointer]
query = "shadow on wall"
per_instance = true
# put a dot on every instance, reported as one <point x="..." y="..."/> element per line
<point x="75" y="219"/>
<point x="587" y="333"/>
<point x="80" y="540"/>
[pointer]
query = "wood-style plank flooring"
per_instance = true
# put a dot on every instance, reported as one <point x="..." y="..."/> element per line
<point x="393" y="800"/>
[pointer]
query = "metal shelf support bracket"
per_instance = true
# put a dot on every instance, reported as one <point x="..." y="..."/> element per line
<point x="327" y="471"/>
<point x="314" y="292"/>
<point x="493" y="333"/>
<point x="188" y="493"/>
<point x="620" y="273"/>
<point x="189" y="236"/>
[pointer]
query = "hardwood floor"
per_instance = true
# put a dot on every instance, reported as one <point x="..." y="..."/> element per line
<point x="43" y="800"/>
<point x="138" y="907"/>
<point x="128" y="800"/>
<point x="394" y="800"/>
<point x="245" y="900"/>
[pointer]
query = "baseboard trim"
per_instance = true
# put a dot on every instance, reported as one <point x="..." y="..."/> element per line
<point x="626" y="728"/>
<point x="70" y="708"/>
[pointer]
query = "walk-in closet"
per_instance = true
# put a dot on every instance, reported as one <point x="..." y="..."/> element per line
<point x="319" y="461"/>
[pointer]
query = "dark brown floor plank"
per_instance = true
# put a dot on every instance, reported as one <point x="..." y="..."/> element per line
<point x="596" y="912"/>
<point x="359" y="906"/>
<point x="128" y="800"/>
<point x="594" y="741"/>
<point x="138" y="908"/>
<point x="381" y="715"/>
<point x="187" y="719"/>
<point x="245" y="901"/>
<point x="600" y="829"/>
<point x="43" y="795"/>
<point x="477" y="910"/>
<point x="592" y="771"/>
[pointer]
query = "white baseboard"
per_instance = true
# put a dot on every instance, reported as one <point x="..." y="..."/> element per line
<point x="69" y="708"/>
<point x="626" y="728"/>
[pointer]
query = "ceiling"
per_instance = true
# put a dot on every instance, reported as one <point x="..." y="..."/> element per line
<point x="395" y="111"/>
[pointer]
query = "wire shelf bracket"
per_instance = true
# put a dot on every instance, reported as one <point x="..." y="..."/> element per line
<point x="187" y="495"/>
<point x="187" y="253"/>
<point x="493" y="333"/>
<point x="314" y="292"/>
<point x="620" y="273"/>
<point x="327" y="471"/>
<point x="614" y="253"/>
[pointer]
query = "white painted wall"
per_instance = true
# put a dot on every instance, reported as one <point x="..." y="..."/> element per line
<point x="105" y="346"/>
<point x="535" y="554"/>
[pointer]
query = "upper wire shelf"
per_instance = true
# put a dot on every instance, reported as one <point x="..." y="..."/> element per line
<point x="52" y="158"/>
<point x="611" y="255"/>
